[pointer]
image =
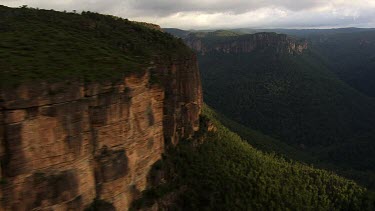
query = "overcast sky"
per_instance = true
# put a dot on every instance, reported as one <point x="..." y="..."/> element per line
<point x="213" y="14"/>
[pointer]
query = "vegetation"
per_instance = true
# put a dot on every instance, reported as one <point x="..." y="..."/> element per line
<point x="226" y="173"/>
<point x="48" y="45"/>
<point x="177" y="32"/>
<point x="349" y="52"/>
<point x="213" y="34"/>
<point x="297" y="100"/>
<point x="271" y="145"/>
<point x="264" y="142"/>
<point x="351" y="56"/>
<point x="308" y="113"/>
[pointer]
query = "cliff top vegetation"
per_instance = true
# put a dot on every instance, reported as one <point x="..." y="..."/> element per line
<point x="40" y="44"/>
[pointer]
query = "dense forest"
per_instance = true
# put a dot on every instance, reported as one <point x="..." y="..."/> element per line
<point x="43" y="44"/>
<point x="351" y="56"/>
<point x="297" y="100"/>
<point x="349" y="52"/>
<point x="282" y="131"/>
<point x="224" y="172"/>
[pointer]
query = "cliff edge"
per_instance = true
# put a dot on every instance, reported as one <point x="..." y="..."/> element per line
<point x="244" y="43"/>
<point x="68" y="140"/>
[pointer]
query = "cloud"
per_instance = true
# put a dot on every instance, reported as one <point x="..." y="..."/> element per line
<point x="167" y="7"/>
<point x="225" y="14"/>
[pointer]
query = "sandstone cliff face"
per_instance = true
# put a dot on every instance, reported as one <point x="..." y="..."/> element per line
<point x="247" y="43"/>
<point x="65" y="144"/>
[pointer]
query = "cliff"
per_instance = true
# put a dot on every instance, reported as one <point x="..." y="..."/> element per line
<point x="66" y="142"/>
<point x="246" y="43"/>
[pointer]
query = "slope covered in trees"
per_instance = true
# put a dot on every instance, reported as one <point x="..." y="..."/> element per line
<point x="269" y="144"/>
<point x="226" y="173"/>
<point x="296" y="99"/>
<point x="349" y="52"/>
<point x="351" y="56"/>
<point x="43" y="44"/>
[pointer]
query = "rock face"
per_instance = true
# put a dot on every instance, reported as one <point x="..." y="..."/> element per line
<point x="65" y="144"/>
<point x="246" y="43"/>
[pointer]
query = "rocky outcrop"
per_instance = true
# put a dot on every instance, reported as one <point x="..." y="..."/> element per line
<point x="247" y="43"/>
<point x="183" y="102"/>
<point x="65" y="144"/>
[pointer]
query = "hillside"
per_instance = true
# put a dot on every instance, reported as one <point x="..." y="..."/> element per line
<point x="349" y="52"/>
<point x="219" y="170"/>
<point x="176" y="32"/>
<point x="305" y="33"/>
<point x="44" y="44"/>
<point x="212" y="34"/>
<point x="351" y="56"/>
<point x="102" y="113"/>
<point x="269" y="144"/>
<point x="291" y="96"/>
<point x="88" y="104"/>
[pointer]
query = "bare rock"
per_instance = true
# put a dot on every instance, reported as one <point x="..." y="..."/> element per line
<point x="65" y="144"/>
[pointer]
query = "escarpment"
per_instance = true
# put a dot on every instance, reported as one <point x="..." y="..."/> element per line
<point x="88" y="103"/>
<point x="65" y="144"/>
<point x="248" y="43"/>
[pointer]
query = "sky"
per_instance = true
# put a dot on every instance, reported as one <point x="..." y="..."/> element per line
<point x="215" y="14"/>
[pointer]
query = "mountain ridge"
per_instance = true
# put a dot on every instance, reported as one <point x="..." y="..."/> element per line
<point x="294" y="98"/>
<point x="238" y="43"/>
<point x="102" y="113"/>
